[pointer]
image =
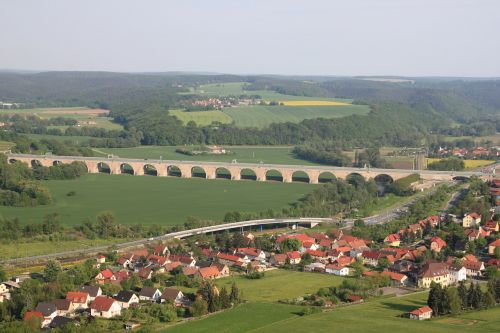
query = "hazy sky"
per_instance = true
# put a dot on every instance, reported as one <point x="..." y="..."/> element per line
<point x="347" y="37"/>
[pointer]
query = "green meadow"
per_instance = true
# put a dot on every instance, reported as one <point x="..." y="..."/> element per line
<point x="157" y="200"/>
<point x="381" y="315"/>
<point x="242" y="154"/>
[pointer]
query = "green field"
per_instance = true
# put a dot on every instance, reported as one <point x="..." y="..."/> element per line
<point x="382" y="315"/>
<point x="73" y="139"/>
<point x="242" y="154"/>
<point x="81" y="114"/>
<point x="280" y="284"/>
<point x="26" y="249"/>
<point x="157" y="200"/>
<point x="261" y="116"/>
<point x="202" y="118"/>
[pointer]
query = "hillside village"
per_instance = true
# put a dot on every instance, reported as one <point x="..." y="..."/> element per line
<point x="419" y="256"/>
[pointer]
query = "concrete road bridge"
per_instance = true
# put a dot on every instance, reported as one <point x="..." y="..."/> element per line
<point x="237" y="171"/>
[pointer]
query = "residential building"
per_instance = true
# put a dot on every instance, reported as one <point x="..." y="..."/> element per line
<point x="422" y="313"/>
<point x="93" y="291"/>
<point x="492" y="246"/>
<point x="80" y="299"/>
<point x="176" y="297"/>
<point x="337" y="270"/>
<point x="126" y="298"/>
<point x="105" y="307"/>
<point x="457" y="273"/>
<point x="433" y="272"/>
<point x="149" y="294"/>
<point x="471" y="220"/>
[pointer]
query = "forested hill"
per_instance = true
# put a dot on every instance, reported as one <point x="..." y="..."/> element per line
<point x="402" y="113"/>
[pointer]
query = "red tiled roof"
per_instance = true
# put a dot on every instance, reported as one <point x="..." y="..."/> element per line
<point x="293" y="254"/>
<point x="280" y="257"/>
<point x="107" y="274"/>
<point x="249" y="251"/>
<point x="344" y="260"/>
<point x="421" y="311"/>
<point x="474" y="215"/>
<point x="102" y="303"/>
<point x="495" y="243"/>
<point x="31" y="314"/>
<point x="170" y="266"/>
<point x="491" y="224"/>
<point x="209" y="272"/>
<point x="472" y="265"/>
<point x="394" y="275"/>
<point x="440" y="242"/>
<point x="392" y="238"/>
<point x="230" y="257"/>
<point x="317" y="253"/>
<point x="333" y="266"/>
<point x="77" y="296"/>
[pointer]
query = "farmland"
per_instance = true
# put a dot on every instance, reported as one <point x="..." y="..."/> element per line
<point x="372" y="317"/>
<point x="469" y="164"/>
<point x="202" y="118"/>
<point x="262" y="115"/>
<point x="294" y="108"/>
<point x="85" y="116"/>
<point x="151" y="200"/>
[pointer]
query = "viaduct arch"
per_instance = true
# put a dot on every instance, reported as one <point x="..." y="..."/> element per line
<point x="240" y="171"/>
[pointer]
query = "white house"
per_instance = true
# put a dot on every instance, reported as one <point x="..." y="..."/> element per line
<point x="337" y="270"/>
<point x="173" y="295"/>
<point x="149" y="294"/>
<point x="422" y="313"/>
<point x="105" y="307"/>
<point x="457" y="273"/>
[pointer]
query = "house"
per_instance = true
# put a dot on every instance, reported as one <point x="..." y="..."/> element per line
<point x="252" y="253"/>
<point x="229" y="259"/>
<point x="433" y="271"/>
<point x="172" y="265"/>
<point x="124" y="262"/>
<point x="303" y="238"/>
<point x="318" y="255"/>
<point x="336" y="270"/>
<point x="105" y="307"/>
<point x="492" y="246"/>
<point x="354" y="298"/>
<point x="189" y="271"/>
<point x="278" y="259"/>
<point x="93" y="291"/>
<point x="437" y="244"/>
<point x="392" y="240"/>
<point x="149" y="294"/>
<point x="293" y="257"/>
<point x="422" y="313"/>
<point x="176" y="297"/>
<point x="64" y="307"/>
<point x="474" y="268"/>
<point x="372" y="257"/>
<point x="100" y="259"/>
<point x="223" y="269"/>
<point x="472" y="234"/>
<point x="31" y="316"/>
<point x="494" y="262"/>
<point x="256" y="266"/>
<point x="48" y="311"/>
<point x="344" y="261"/>
<point x="126" y="298"/>
<point x="457" y="273"/>
<point x="397" y="279"/>
<point x="80" y="299"/>
<point x="308" y="246"/>
<point x="471" y="220"/>
<point x="145" y="273"/>
<point x="160" y="250"/>
<point x="104" y="276"/>
<point x="492" y="226"/>
<point x="208" y="273"/>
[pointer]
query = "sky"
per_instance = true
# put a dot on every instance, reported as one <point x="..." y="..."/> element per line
<point x="313" y="37"/>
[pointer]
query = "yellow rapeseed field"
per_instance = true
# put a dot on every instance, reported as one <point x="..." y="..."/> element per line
<point x="469" y="164"/>
<point x="314" y="103"/>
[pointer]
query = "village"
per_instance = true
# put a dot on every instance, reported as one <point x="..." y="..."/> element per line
<point x="415" y="258"/>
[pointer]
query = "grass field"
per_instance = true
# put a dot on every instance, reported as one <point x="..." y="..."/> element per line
<point x="493" y="138"/>
<point x="5" y="145"/>
<point x="152" y="200"/>
<point x="261" y="116"/>
<point x="97" y="117"/>
<point x="242" y="154"/>
<point x="73" y="139"/>
<point x="280" y="284"/>
<point x="202" y="118"/>
<point x="382" y="315"/>
<point x="19" y="250"/>
<point x="314" y="103"/>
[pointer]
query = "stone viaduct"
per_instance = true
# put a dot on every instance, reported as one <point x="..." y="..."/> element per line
<point x="235" y="171"/>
